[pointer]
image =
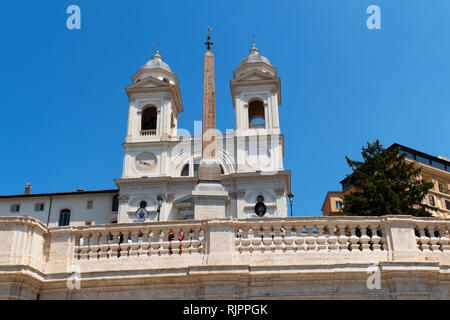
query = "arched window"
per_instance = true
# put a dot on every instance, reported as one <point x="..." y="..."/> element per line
<point x="148" y="120"/>
<point x="64" y="217"/>
<point x="185" y="171"/>
<point x="256" y="118"/>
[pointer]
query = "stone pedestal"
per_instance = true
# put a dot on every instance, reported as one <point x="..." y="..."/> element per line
<point x="210" y="198"/>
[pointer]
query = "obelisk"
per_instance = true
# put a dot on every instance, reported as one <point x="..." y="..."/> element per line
<point x="209" y="169"/>
<point x="209" y="195"/>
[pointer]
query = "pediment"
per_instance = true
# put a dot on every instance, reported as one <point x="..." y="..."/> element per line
<point x="256" y="75"/>
<point x="149" y="82"/>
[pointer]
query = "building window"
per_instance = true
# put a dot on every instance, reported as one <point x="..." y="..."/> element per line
<point x="115" y="203"/>
<point x="438" y="165"/>
<point x="407" y="154"/>
<point x="431" y="198"/>
<point x="422" y="159"/>
<point x="90" y="204"/>
<point x="447" y="204"/>
<point x="64" y="217"/>
<point x="15" y="207"/>
<point x="172" y="121"/>
<point x="185" y="171"/>
<point x="149" y="116"/>
<point x="39" y="207"/>
<point x="256" y="117"/>
<point x="441" y="187"/>
<point x="338" y="204"/>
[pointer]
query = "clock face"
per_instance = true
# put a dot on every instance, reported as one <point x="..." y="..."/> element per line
<point x="145" y="161"/>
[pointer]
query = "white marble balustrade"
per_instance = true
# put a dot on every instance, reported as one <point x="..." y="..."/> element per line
<point x="138" y="241"/>
<point x="309" y="236"/>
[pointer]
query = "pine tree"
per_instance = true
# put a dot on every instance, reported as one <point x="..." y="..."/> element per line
<point x="385" y="184"/>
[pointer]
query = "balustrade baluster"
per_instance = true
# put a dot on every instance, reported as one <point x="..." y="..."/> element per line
<point x="375" y="239"/>
<point x="300" y="239"/>
<point x="434" y="246"/>
<point x="354" y="239"/>
<point x="250" y="240"/>
<point x="343" y="238"/>
<point x="333" y="245"/>
<point x="84" y="246"/>
<point x="277" y="240"/>
<point x="103" y="245"/>
<point x="364" y="238"/>
<point x="444" y="240"/>
<point x="114" y="248"/>
<point x="424" y="239"/>
<point x="93" y="245"/>
<point x="201" y="238"/>
<point x="310" y="239"/>
<point x="321" y="238"/>
<point x="133" y="244"/>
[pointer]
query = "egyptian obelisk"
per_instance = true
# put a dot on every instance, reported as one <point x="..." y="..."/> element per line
<point x="209" y="195"/>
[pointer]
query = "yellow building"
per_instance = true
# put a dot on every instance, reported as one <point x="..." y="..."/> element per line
<point x="435" y="169"/>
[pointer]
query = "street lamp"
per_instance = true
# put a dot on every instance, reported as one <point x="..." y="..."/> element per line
<point x="160" y="201"/>
<point x="291" y="199"/>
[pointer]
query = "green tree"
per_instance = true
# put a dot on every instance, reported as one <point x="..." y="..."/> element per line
<point x="384" y="183"/>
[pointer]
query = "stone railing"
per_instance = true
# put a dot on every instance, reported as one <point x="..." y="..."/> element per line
<point x="151" y="132"/>
<point x="138" y="241"/>
<point x="432" y="236"/>
<point x="282" y="241"/>
<point x="306" y="235"/>
<point x="257" y="125"/>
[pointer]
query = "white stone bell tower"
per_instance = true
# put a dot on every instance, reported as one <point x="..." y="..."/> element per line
<point x="255" y="90"/>
<point x="155" y="102"/>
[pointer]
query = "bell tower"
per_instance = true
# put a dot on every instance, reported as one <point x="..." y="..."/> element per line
<point x="154" y="106"/>
<point x="155" y="102"/>
<point x="256" y="94"/>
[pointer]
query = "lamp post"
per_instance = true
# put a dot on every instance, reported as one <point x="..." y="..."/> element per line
<point x="291" y="199"/>
<point x="160" y="200"/>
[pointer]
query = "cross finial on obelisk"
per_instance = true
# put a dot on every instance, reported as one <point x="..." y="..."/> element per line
<point x="253" y="39"/>
<point x="157" y="46"/>
<point x="208" y="39"/>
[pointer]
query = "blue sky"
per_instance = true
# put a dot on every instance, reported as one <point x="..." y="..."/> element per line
<point x="64" y="109"/>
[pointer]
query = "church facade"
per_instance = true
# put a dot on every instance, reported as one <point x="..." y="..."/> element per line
<point x="161" y="161"/>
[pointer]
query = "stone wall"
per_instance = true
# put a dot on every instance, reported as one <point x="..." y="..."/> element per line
<point x="267" y="258"/>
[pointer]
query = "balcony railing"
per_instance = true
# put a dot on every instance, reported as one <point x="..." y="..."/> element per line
<point x="257" y="125"/>
<point x="151" y="132"/>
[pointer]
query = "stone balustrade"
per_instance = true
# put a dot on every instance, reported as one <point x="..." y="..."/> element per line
<point x="406" y="249"/>
<point x="138" y="241"/>
<point x="310" y="236"/>
<point x="150" y="132"/>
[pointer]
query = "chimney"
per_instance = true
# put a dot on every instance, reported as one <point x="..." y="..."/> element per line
<point x="28" y="188"/>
